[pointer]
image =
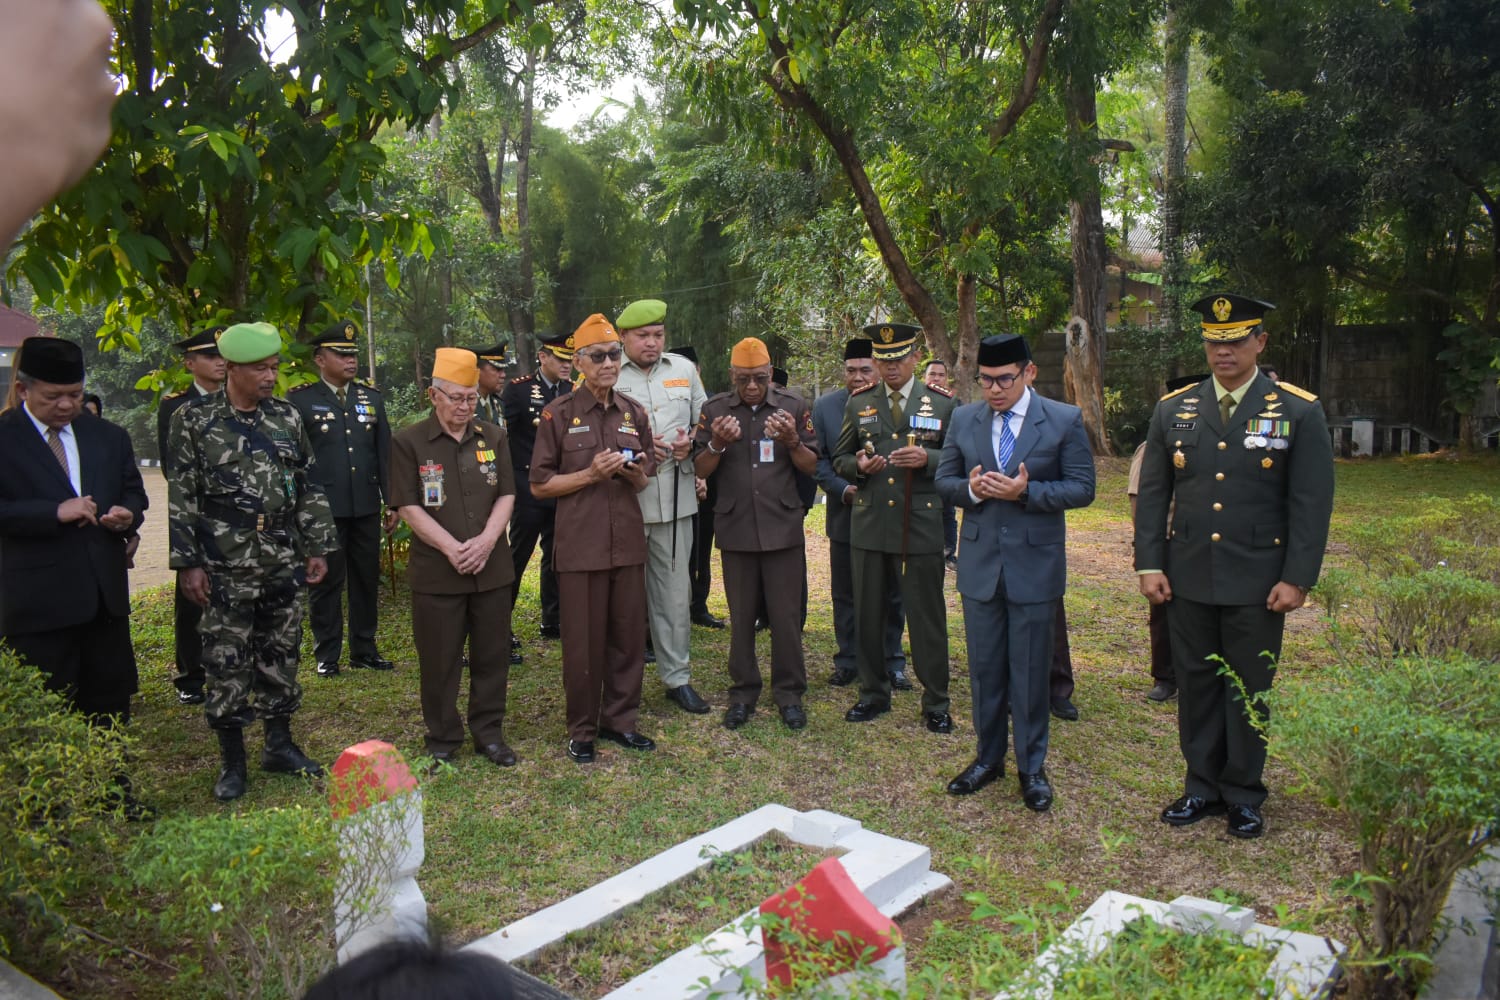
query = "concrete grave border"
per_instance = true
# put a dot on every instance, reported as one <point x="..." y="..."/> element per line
<point x="893" y="874"/>
<point x="1303" y="968"/>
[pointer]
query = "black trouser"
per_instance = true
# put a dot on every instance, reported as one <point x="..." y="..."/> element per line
<point x="358" y="563"/>
<point x="701" y="562"/>
<point x="188" y="646"/>
<point x="1060" y="676"/>
<point x="92" y="665"/>
<point x="532" y="523"/>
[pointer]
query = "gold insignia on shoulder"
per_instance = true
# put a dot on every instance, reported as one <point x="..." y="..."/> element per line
<point x="1179" y="392"/>
<point x="1298" y="391"/>
<point x="1270" y="396"/>
<point x="1222" y="309"/>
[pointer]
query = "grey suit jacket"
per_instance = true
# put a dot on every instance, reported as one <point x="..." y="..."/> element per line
<point x="828" y="421"/>
<point x="1024" y="542"/>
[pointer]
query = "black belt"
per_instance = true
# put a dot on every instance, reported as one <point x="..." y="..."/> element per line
<point x="236" y="518"/>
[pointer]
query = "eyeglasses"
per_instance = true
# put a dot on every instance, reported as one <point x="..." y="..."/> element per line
<point x="744" y="380"/>
<point x="599" y="357"/>
<point x="470" y="401"/>
<point x="1003" y="381"/>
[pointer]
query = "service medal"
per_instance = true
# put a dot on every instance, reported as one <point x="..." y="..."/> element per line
<point x="1266" y="463"/>
<point x="1179" y="459"/>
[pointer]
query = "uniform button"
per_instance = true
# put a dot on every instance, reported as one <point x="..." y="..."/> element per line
<point x="895" y="437"/>
<point x="890" y="482"/>
<point x="1214" y="537"/>
<point x="1219" y="476"/>
<point x="890" y="503"/>
<point x="1178" y="444"/>
<point x="1218" y="506"/>
<point x="1222" y="446"/>
<point x="1278" y="541"/>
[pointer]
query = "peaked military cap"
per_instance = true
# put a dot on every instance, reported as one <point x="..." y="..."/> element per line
<point x="892" y="341"/>
<point x="1228" y="317"/>
<point x="339" y="338"/>
<point x="1183" y="381"/>
<point x="205" y="343"/>
<point x="495" y="355"/>
<point x="686" y="351"/>
<point x="559" y="345"/>
<point x="1003" y="349"/>
<point x="50" y="359"/>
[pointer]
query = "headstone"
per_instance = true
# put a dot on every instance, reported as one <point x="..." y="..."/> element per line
<point x="381" y="847"/>
<point x="832" y="927"/>
<point x="1362" y="436"/>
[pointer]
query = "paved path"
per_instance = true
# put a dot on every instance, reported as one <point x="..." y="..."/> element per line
<point x="151" y="569"/>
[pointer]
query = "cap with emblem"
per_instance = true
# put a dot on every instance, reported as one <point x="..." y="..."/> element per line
<point x="857" y="348"/>
<point x="338" y="338"/>
<point x="1003" y="349"/>
<point x="49" y="359"/>
<point x="247" y="343"/>
<point x="642" y="312"/>
<point x="779" y="377"/>
<point x="594" y="330"/>
<point x="495" y="356"/>
<point x="892" y="341"/>
<point x="1228" y="317"/>
<point x="456" y="365"/>
<point x="749" y="353"/>
<point x="205" y="343"/>
<point x="560" y="346"/>
<point x="686" y="351"/>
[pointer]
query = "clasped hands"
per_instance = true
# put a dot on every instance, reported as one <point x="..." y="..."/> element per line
<point x="911" y="456"/>
<point x="83" y="510"/>
<point x="679" y="449"/>
<point x="997" y="485"/>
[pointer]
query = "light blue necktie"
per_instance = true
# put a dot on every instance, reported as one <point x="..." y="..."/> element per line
<point x="1007" y="442"/>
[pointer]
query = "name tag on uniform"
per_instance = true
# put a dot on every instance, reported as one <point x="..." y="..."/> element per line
<point x="432" y="484"/>
<point x="580" y="430"/>
<point x="676" y="383"/>
<point x="767" y="450"/>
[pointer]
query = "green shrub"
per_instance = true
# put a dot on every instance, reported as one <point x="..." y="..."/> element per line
<point x="1150" y="959"/>
<point x="58" y="819"/>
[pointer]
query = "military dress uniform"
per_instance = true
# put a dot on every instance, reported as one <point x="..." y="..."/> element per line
<point x="896" y="531"/>
<point x="522" y="402"/>
<point x="351" y="443"/>
<point x="187" y="647"/>
<point x="1253" y="497"/>
<point x="491" y="406"/>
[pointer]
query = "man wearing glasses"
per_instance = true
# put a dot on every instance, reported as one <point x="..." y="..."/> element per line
<point x="1014" y="462"/>
<point x="451" y="480"/>
<point x="888" y="448"/>
<point x="594" y="452"/>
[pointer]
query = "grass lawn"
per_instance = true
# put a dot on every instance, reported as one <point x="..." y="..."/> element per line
<point x="502" y="843"/>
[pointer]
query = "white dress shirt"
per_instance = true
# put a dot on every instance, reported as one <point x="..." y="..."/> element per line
<point x="70" y="447"/>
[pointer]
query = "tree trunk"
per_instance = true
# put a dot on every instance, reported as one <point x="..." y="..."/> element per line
<point x="1083" y="362"/>
<point x="522" y="309"/>
<point x="1174" y="272"/>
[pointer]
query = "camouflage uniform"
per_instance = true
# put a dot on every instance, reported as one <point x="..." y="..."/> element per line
<point x="243" y="507"/>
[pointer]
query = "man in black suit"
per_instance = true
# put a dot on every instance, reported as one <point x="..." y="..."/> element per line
<point x="200" y="356"/>
<point x="523" y="401"/>
<point x="351" y="443"/>
<point x="70" y="497"/>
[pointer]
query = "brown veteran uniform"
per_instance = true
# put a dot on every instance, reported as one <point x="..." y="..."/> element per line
<point x="599" y="555"/>
<point x="457" y="483"/>
<point x="758" y="531"/>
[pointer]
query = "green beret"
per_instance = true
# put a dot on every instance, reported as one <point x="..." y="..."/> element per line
<point x="642" y="312"/>
<point x="247" y="343"/>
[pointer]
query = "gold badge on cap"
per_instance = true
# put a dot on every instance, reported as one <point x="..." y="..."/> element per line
<point x="1222" y="309"/>
<point x="887" y="334"/>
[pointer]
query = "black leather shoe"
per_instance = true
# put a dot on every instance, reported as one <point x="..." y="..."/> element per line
<point x="899" y="680"/>
<point x="190" y="697"/>
<point x="865" y="711"/>
<point x="1246" y="822"/>
<point x="440" y="759"/>
<point x="938" y="722"/>
<point x="842" y="676"/>
<point x="328" y="668"/>
<point x="650" y="653"/>
<point x="497" y="753"/>
<point x="974" y="777"/>
<point x="581" y="751"/>
<point x="737" y="714"/>
<point x="1162" y="691"/>
<point x="1064" y="709"/>
<point x="761" y="624"/>
<point x="1190" y="809"/>
<point x="794" y="716"/>
<point x="515" y="650"/>
<point x="706" y="619"/>
<point x="1036" y="792"/>
<point x="630" y="741"/>
<point x="376" y="662"/>
<point x="550" y="632"/>
<point x="688" y="700"/>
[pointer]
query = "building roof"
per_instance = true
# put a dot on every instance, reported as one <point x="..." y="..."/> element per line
<point x="16" y="326"/>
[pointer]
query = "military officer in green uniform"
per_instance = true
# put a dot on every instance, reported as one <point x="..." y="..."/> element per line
<point x="889" y="448"/>
<point x="249" y="527"/>
<point x="492" y="379"/>
<point x="200" y="356"/>
<point x="351" y="442"/>
<point x="1249" y="465"/>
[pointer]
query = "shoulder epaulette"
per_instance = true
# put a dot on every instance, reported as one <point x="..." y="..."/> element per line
<point x="522" y="378"/>
<point x="300" y="388"/>
<point x="174" y="395"/>
<point x="365" y="385"/>
<point x="863" y="388"/>
<point x="1296" y="390"/>
<point x="946" y="393"/>
<point x="1179" y="392"/>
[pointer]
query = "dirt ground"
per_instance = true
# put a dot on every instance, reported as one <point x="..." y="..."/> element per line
<point x="151" y="569"/>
